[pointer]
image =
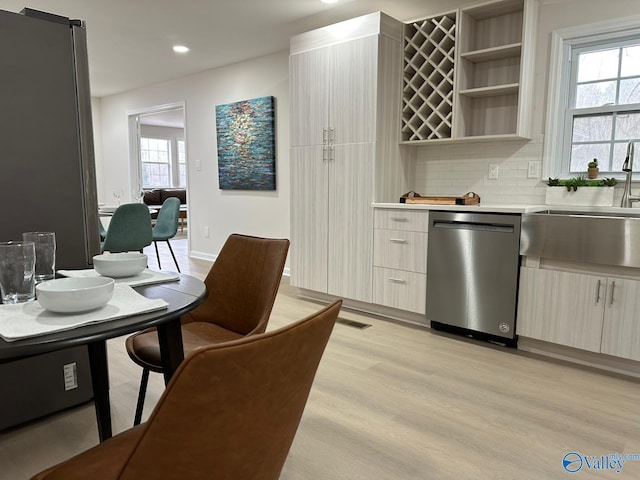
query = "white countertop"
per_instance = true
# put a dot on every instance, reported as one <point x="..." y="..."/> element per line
<point x="482" y="208"/>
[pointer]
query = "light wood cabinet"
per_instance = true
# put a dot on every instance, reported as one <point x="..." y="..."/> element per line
<point x="467" y="74"/>
<point x="621" y="328"/>
<point x="561" y="307"/>
<point x="590" y="312"/>
<point x="334" y="93"/>
<point x="309" y="72"/>
<point x="400" y="259"/>
<point x="344" y="150"/>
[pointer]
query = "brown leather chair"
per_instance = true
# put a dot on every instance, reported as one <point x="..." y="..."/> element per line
<point x="242" y="286"/>
<point x="231" y="411"/>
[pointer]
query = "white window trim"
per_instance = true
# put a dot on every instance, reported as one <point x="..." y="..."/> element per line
<point x="559" y="65"/>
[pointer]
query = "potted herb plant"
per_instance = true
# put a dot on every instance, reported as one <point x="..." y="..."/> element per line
<point x="593" y="170"/>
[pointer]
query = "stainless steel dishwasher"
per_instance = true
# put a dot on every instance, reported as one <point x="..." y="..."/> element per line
<point x="472" y="273"/>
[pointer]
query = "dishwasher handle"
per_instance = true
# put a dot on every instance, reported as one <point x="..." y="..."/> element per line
<point x="485" y="227"/>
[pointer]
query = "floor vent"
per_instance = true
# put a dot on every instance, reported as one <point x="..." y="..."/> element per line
<point x="353" y="323"/>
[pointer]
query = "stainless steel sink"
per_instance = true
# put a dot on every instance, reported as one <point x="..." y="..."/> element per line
<point x="618" y="213"/>
<point x="601" y="237"/>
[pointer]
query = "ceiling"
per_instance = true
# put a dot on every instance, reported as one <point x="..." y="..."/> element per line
<point x="129" y="41"/>
<point x="173" y="118"/>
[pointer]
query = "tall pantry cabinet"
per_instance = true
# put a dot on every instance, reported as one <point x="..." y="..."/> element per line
<point x="345" y="154"/>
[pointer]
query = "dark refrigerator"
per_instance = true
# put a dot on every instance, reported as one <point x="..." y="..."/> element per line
<point x="47" y="183"/>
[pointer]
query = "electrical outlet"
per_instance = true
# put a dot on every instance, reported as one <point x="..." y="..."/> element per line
<point x="533" y="170"/>
<point x="493" y="171"/>
<point x="206" y="232"/>
<point x="198" y="165"/>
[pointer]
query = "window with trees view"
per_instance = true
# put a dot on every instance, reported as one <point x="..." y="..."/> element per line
<point x="603" y="114"/>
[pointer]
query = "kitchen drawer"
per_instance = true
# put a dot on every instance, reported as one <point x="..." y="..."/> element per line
<point x="401" y="250"/>
<point x="400" y="289"/>
<point x="401" y="219"/>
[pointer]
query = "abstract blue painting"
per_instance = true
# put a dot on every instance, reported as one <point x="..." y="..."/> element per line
<point x="246" y="145"/>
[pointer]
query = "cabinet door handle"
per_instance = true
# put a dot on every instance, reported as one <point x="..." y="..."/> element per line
<point x="325" y="136"/>
<point x="613" y="288"/>
<point x="598" y="291"/>
<point x="399" y="219"/>
<point x="397" y="240"/>
<point x="325" y="156"/>
<point x="332" y="153"/>
<point x="332" y="135"/>
<point x="397" y="280"/>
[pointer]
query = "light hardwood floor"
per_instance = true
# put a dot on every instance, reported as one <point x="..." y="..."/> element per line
<point x="397" y="402"/>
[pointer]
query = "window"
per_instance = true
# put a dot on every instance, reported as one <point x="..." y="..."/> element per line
<point x="604" y="104"/>
<point x="155" y="159"/>
<point x="163" y="162"/>
<point x="593" y="108"/>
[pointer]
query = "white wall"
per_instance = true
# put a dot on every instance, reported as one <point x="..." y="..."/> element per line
<point x="455" y="170"/>
<point x="262" y="213"/>
<point x="441" y="169"/>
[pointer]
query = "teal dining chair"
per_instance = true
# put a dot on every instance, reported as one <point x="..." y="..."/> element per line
<point x="102" y="230"/>
<point x="166" y="226"/>
<point x="129" y="229"/>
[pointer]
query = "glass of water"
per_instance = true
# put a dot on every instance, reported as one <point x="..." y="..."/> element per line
<point x="17" y="271"/>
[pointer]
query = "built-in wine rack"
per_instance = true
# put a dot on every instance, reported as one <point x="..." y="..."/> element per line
<point x="428" y="84"/>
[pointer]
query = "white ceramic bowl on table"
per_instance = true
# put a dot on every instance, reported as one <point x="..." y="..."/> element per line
<point x="116" y="265"/>
<point x="72" y="295"/>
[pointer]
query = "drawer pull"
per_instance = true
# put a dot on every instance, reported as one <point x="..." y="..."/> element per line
<point x="399" y="219"/>
<point x="397" y="240"/>
<point x="397" y="280"/>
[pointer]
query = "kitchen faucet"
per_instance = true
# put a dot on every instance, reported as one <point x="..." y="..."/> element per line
<point x="627" y="166"/>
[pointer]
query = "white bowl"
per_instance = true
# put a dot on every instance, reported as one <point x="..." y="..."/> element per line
<point x="70" y="295"/>
<point x="117" y="265"/>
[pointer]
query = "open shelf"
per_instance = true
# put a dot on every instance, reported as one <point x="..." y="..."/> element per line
<point x="493" y="91"/>
<point x="494" y="53"/>
<point x="466" y="73"/>
<point x="486" y="115"/>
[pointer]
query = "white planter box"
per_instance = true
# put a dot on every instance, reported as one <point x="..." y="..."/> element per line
<point x="584" y="196"/>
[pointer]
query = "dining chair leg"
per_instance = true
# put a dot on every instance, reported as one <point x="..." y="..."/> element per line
<point x="155" y="244"/>
<point x="141" y="394"/>
<point x="174" y="257"/>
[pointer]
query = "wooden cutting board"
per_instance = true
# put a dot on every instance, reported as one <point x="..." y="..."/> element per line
<point x="467" y="199"/>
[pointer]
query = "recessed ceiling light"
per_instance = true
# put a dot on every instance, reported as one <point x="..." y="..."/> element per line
<point x="329" y="1"/>
<point x="180" y="49"/>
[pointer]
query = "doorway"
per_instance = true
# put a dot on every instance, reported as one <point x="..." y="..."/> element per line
<point x="158" y="163"/>
<point x="158" y="152"/>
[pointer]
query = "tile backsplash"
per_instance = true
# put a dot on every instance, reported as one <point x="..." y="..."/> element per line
<point x="455" y="169"/>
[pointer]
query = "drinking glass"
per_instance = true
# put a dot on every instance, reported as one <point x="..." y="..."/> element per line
<point x="17" y="266"/>
<point x="138" y="194"/>
<point x="45" y="243"/>
<point x="117" y="192"/>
